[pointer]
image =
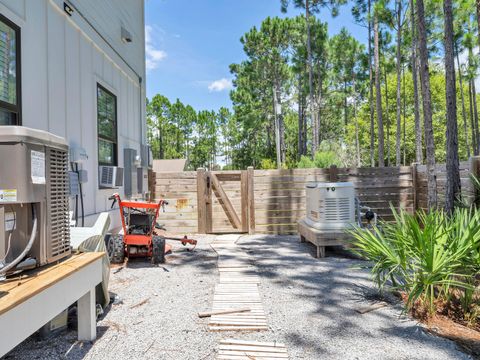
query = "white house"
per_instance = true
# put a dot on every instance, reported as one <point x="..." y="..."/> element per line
<point x="69" y="66"/>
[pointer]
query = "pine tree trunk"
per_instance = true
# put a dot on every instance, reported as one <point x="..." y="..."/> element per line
<point x="300" y="119"/>
<point x="453" y="190"/>
<point x="160" y="143"/>
<point x="305" y="126"/>
<point x="381" y="155"/>
<point x="278" y="137"/>
<point x="269" y="137"/>
<point x="472" y="121"/>
<point x="418" y="124"/>
<point x="427" y="105"/>
<point x="370" y="75"/>
<point x="475" y="115"/>
<point x="462" y="97"/>
<point x="318" y="102"/>
<point x="478" y="19"/>
<point x="399" y="90"/>
<point x="404" y="120"/>
<point x="357" y="142"/>
<point x="345" y="105"/>
<point x="311" y="101"/>
<point x="387" y="115"/>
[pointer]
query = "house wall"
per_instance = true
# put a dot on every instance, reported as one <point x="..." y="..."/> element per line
<point x="63" y="59"/>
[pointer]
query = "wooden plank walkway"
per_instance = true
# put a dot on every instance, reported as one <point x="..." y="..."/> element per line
<point x="231" y="349"/>
<point x="237" y="288"/>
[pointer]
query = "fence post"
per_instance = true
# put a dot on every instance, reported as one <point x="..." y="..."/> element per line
<point x="251" y="200"/>
<point x="151" y="184"/>
<point x="414" y="186"/>
<point x="201" y="205"/>
<point x="204" y="202"/>
<point x="244" y="200"/>
<point x="333" y="173"/>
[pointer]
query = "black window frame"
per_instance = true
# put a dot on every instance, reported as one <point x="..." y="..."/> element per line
<point x="17" y="108"/>
<point x="102" y="137"/>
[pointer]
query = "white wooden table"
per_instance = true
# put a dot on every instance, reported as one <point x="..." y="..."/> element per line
<point x="29" y="302"/>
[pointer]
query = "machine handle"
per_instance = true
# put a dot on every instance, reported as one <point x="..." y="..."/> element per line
<point x="163" y="205"/>
<point x="114" y="199"/>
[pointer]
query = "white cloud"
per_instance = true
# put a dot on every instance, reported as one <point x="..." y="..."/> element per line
<point x="152" y="55"/>
<point x="220" y="85"/>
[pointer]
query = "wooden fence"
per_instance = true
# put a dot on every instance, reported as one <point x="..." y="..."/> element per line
<point x="276" y="199"/>
<point x="466" y="168"/>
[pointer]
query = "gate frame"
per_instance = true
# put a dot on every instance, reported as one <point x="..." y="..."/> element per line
<point x="208" y="182"/>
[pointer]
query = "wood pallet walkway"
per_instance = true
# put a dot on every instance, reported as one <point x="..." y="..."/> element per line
<point x="237" y="288"/>
<point x="231" y="349"/>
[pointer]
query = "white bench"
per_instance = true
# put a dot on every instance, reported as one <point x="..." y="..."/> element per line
<point x="28" y="303"/>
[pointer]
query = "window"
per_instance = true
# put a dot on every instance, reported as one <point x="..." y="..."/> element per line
<point x="9" y="73"/>
<point x="107" y="126"/>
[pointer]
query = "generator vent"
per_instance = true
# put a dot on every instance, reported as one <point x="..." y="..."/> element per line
<point x="57" y="201"/>
<point x="335" y="209"/>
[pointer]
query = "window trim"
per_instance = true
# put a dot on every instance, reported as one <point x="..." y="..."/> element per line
<point x="17" y="108"/>
<point x="101" y="137"/>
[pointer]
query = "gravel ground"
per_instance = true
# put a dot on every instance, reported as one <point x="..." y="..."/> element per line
<point x="310" y="306"/>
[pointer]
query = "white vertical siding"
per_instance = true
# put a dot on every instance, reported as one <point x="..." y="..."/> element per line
<point x="63" y="59"/>
<point x="108" y="17"/>
<point x="56" y="72"/>
<point x="34" y="46"/>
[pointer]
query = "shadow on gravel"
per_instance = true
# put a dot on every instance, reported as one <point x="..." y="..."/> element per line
<point x="205" y="259"/>
<point x="62" y="345"/>
<point x="332" y="288"/>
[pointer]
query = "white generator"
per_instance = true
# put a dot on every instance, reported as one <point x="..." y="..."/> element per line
<point x="330" y="206"/>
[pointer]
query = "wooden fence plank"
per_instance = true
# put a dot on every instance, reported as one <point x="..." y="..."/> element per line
<point x="244" y="200"/>
<point x="251" y="200"/>
<point x="276" y="199"/>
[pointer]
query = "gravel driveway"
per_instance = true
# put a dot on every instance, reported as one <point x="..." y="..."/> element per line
<point x="310" y="306"/>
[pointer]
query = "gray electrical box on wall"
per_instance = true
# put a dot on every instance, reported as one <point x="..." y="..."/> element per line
<point x="142" y="180"/>
<point x="130" y="173"/>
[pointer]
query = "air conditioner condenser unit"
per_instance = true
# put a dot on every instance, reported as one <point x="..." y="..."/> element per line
<point x="34" y="203"/>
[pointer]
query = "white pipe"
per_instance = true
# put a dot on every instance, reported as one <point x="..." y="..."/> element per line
<point x="25" y="251"/>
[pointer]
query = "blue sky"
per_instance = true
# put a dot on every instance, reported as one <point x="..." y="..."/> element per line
<point x="190" y="45"/>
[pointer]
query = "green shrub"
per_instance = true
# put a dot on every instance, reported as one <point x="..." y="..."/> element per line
<point x="228" y="167"/>
<point x="305" y="163"/>
<point x="322" y="159"/>
<point x="268" y="164"/>
<point x="428" y="256"/>
<point x="325" y="159"/>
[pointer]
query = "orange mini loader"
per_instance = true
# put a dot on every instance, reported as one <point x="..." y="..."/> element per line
<point x="139" y="221"/>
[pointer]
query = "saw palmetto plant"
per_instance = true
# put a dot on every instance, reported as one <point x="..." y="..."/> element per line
<point x="426" y="255"/>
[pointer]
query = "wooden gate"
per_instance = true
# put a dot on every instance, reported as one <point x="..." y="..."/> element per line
<point x="240" y="216"/>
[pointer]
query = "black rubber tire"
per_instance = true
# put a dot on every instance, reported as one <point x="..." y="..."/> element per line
<point x="158" y="249"/>
<point x="116" y="249"/>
